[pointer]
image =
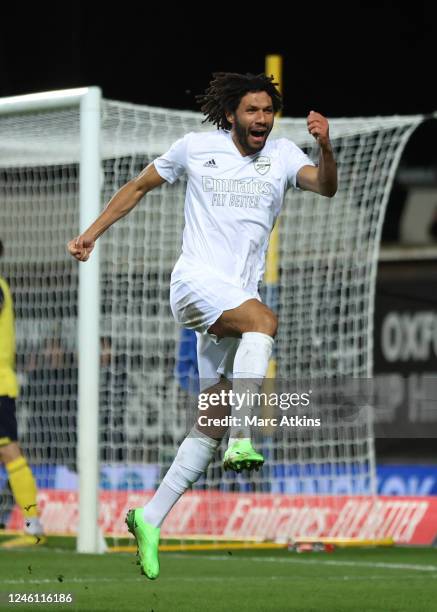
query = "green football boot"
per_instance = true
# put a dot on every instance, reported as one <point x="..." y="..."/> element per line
<point x="242" y="456"/>
<point x="147" y="538"/>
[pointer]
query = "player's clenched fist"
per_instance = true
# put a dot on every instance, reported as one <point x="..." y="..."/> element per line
<point x="80" y="248"/>
<point x="318" y="127"/>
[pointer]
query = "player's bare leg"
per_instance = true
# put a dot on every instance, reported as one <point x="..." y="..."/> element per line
<point x="251" y="316"/>
<point x="191" y="461"/>
<point x="256" y="324"/>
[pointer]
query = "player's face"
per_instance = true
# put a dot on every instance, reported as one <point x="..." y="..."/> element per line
<point x="252" y="122"/>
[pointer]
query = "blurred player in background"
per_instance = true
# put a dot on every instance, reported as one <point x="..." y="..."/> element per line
<point x="20" y="477"/>
<point x="237" y="180"/>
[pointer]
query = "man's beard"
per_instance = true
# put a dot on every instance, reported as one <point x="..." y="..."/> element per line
<point x="242" y="137"/>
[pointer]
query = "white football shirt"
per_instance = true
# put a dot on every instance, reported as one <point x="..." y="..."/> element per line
<point x="231" y="202"/>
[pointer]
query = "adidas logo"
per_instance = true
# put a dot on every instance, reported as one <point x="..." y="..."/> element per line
<point x="210" y="164"/>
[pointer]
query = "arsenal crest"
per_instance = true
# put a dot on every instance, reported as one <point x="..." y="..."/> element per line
<point x="262" y="164"/>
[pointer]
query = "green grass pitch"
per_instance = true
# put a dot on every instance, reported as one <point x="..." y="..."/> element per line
<point x="361" y="580"/>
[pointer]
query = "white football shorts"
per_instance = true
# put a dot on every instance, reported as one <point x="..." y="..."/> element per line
<point x="197" y="302"/>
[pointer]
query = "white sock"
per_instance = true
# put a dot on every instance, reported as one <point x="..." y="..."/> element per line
<point x="250" y="367"/>
<point x="191" y="461"/>
<point x="33" y="526"/>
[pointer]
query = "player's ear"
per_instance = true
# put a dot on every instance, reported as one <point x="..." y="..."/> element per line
<point x="231" y="118"/>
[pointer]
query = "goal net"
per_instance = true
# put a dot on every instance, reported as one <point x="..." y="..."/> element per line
<point x="324" y="297"/>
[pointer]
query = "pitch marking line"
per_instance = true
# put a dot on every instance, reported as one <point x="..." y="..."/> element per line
<point x="329" y="562"/>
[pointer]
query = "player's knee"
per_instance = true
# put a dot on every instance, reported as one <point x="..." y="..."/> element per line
<point x="9" y="452"/>
<point x="272" y="324"/>
<point x="266" y="323"/>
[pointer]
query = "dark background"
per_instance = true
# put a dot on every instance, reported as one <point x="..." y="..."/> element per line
<point x="343" y="60"/>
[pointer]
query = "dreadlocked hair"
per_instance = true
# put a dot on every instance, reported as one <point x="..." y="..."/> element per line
<point x="226" y="90"/>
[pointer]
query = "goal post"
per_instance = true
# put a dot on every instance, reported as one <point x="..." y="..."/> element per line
<point x="97" y="345"/>
<point x="90" y="173"/>
<point x="87" y="101"/>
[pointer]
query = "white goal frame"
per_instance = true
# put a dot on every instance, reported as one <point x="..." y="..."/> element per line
<point x="88" y="99"/>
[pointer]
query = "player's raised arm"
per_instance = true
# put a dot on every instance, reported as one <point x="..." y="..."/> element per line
<point x="321" y="179"/>
<point x="118" y="206"/>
